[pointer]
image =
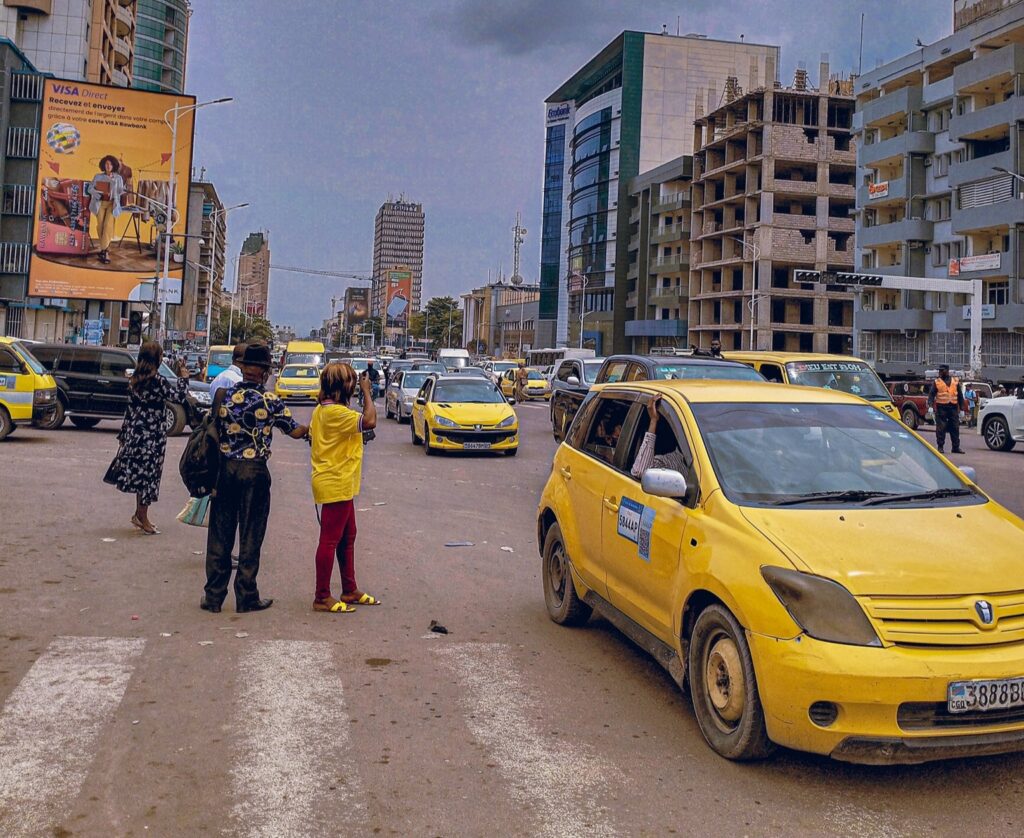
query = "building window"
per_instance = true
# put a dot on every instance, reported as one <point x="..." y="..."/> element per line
<point x="997" y="293"/>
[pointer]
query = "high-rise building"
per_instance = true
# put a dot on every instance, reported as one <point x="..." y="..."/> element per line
<point x="86" y="40"/>
<point x="253" y="286"/>
<point x="397" y="241"/>
<point x="161" y="41"/>
<point x="939" y="174"/>
<point x="205" y="210"/>
<point x="626" y="111"/>
<point x="773" y="191"/>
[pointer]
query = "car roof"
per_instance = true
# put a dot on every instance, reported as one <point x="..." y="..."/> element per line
<point x="674" y="359"/>
<point x="786" y="357"/>
<point x="709" y="391"/>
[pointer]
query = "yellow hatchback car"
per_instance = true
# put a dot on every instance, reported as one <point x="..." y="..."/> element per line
<point x="298" y="381"/>
<point x="463" y="413"/>
<point x="537" y="386"/>
<point x="753" y="557"/>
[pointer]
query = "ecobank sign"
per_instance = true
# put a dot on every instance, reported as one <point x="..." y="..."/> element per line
<point x="558" y="113"/>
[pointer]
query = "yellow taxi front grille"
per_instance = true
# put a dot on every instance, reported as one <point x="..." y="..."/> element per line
<point x="975" y="620"/>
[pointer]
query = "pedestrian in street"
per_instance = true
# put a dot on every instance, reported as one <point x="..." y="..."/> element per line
<point x="181" y="368"/>
<point x="373" y="374"/>
<point x="971" y="397"/>
<point x="521" y="376"/>
<point x="336" y="436"/>
<point x="143" y="435"/>
<point x="230" y="375"/>
<point x="946" y="398"/>
<point x="241" y="502"/>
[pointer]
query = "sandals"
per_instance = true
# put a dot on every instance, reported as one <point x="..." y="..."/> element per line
<point x="332" y="606"/>
<point x="359" y="598"/>
<point x="150" y="530"/>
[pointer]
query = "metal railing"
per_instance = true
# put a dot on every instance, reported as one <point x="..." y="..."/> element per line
<point x="19" y="199"/>
<point x="27" y="87"/>
<point x="14" y="257"/>
<point x="22" y="142"/>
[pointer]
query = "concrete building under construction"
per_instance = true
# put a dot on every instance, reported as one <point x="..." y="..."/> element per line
<point x="773" y="190"/>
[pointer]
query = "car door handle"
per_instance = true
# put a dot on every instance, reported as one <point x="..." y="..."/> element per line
<point x="611" y="504"/>
<point x="566" y="472"/>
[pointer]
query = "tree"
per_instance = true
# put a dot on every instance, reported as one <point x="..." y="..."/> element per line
<point x="443" y="321"/>
<point x="243" y="329"/>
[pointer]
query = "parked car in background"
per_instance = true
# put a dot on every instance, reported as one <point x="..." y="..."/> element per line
<point x="1001" y="421"/>
<point x="28" y="394"/>
<point x="661" y="368"/>
<point x="911" y="398"/>
<point x="569" y="387"/>
<point x="92" y="384"/>
<point x="401" y="393"/>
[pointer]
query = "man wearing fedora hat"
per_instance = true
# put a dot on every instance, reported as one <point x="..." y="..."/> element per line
<point x="246" y="419"/>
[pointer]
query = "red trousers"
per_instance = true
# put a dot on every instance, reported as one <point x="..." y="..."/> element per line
<point x="337" y="538"/>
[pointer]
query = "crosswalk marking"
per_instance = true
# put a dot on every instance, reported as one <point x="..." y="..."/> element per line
<point x="51" y="724"/>
<point x="294" y="733"/>
<point x="562" y="782"/>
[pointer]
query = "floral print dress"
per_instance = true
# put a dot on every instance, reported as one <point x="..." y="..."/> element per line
<point x="143" y="437"/>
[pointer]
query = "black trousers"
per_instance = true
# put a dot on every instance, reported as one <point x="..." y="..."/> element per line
<point x="241" y="504"/>
<point x="947" y="418"/>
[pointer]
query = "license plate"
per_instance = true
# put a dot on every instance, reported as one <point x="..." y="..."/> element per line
<point x="965" y="696"/>
<point x="476" y="446"/>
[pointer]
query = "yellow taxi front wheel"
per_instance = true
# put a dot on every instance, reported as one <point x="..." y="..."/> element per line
<point x="723" y="687"/>
<point x="563" y="604"/>
<point x="6" y="425"/>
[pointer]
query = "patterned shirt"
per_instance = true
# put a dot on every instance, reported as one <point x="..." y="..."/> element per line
<point x="247" y="419"/>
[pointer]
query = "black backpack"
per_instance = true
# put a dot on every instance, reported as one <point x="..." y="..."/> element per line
<point x="200" y="461"/>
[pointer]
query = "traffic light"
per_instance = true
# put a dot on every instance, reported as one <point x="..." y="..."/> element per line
<point x="135" y="327"/>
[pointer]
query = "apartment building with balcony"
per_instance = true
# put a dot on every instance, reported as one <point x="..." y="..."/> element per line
<point x="940" y="152"/>
<point x="658" y="275"/>
<point x="161" y="45"/>
<point x="85" y="40"/>
<point x="627" y="111"/>
<point x="773" y="191"/>
<point x="398" y="237"/>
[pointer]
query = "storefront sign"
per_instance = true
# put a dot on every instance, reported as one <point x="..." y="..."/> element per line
<point x="988" y="312"/>
<point x="982" y="262"/>
<point x="878" y="190"/>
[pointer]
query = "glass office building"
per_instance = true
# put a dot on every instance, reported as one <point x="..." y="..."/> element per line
<point x="161" y="39"/>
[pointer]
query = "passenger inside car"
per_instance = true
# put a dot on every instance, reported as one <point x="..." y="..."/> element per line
<point x="605" y="433"/>
<point x="658" y="447"/>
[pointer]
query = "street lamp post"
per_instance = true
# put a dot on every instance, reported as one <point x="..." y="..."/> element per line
<point x="213" y="268"/>
<point x="755" y="298"/>
<point x="584" y="314"/>
<point x="177" y="110"/>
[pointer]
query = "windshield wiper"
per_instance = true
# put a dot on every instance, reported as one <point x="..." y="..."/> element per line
<point x="934" y="494"/>
<point x="830" y="497"/>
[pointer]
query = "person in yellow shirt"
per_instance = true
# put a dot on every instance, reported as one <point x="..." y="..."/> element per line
<point x="336" y="436"/>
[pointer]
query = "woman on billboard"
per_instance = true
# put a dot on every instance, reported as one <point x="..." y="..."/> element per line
<point x="105" y="203"/>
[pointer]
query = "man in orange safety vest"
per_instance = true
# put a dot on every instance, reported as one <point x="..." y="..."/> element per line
<point x="946" y="398"/>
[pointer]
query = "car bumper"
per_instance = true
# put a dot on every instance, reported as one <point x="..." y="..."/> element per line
<point x="297" y="395"/>
<point x="451" y="439"/>
<point x="43" y="413"/>
<point x="891" y="701"/>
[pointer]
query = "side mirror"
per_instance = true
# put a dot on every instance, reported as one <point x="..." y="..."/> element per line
<point x="969" y="473"/>
<point x="421" y="401"/>
<point x="511" y="400"/>
<point x="129" y="373"/>
<point x="668" y="483"/>
<point x="573" y="380"/>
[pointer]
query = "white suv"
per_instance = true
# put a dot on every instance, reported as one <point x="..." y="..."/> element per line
<point x="1001" y="421"/>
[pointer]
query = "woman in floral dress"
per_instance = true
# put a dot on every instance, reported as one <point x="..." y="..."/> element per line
<point x="143" y="436"/>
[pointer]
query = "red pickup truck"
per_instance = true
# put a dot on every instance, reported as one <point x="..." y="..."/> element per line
<point x="911" y="398"/>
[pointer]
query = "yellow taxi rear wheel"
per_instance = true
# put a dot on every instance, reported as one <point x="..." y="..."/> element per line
<point x="723" y="687"/>
<point x="563" y="604"/>
<point x="6" y="425"/>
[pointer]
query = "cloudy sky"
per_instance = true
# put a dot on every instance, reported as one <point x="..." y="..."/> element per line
<point x="340" y="103"/>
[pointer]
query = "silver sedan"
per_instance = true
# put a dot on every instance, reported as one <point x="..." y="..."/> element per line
<point x="401" y="393"/>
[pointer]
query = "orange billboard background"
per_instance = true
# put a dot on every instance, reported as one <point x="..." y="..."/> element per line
<point x="103" y="189"/>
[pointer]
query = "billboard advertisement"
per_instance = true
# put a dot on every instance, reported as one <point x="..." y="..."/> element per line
<point x="103" y="191"/>
<point x="357" y="307"/>
<point x="399" y="296"/>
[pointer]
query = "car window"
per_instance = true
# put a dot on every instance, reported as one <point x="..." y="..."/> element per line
<point x="772" y="372"/>
<point x="671" y="449"/>
<point x="428" y="385"/>
<point x="9" y="362"/>
<point x="85" y="363"/>
<point x="577" y="433"/>
<point x="615" y="371"/>
<point x="114" y="364"/>
<point x="605" y="431"/>
<point x="636" y="372"/>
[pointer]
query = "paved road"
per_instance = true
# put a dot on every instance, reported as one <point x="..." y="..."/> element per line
<point x="288" y="723"/>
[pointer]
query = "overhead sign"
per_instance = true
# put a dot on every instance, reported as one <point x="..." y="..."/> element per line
<point x="103" y="189"/>
<point x="878" y="190"/>
<point x="837" y="280"/>
<point x="399" y="296"/>
<point x="357" y="306"/>
<point x="556" y="113"/>
<point x="982" y="262"/>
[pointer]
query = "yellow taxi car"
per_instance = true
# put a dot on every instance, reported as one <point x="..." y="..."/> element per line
<point x="298" y="381"/>
<point x="537" y="386"/>
<point x="463" y="413"/>
<point x="833" y="372"/>
<point x="750" y="558"/>
<point x="28" y="394"/>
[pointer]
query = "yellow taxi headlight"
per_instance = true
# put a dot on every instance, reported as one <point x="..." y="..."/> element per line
<point x="822" y="608"/>
<point x="507" y="422"/>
